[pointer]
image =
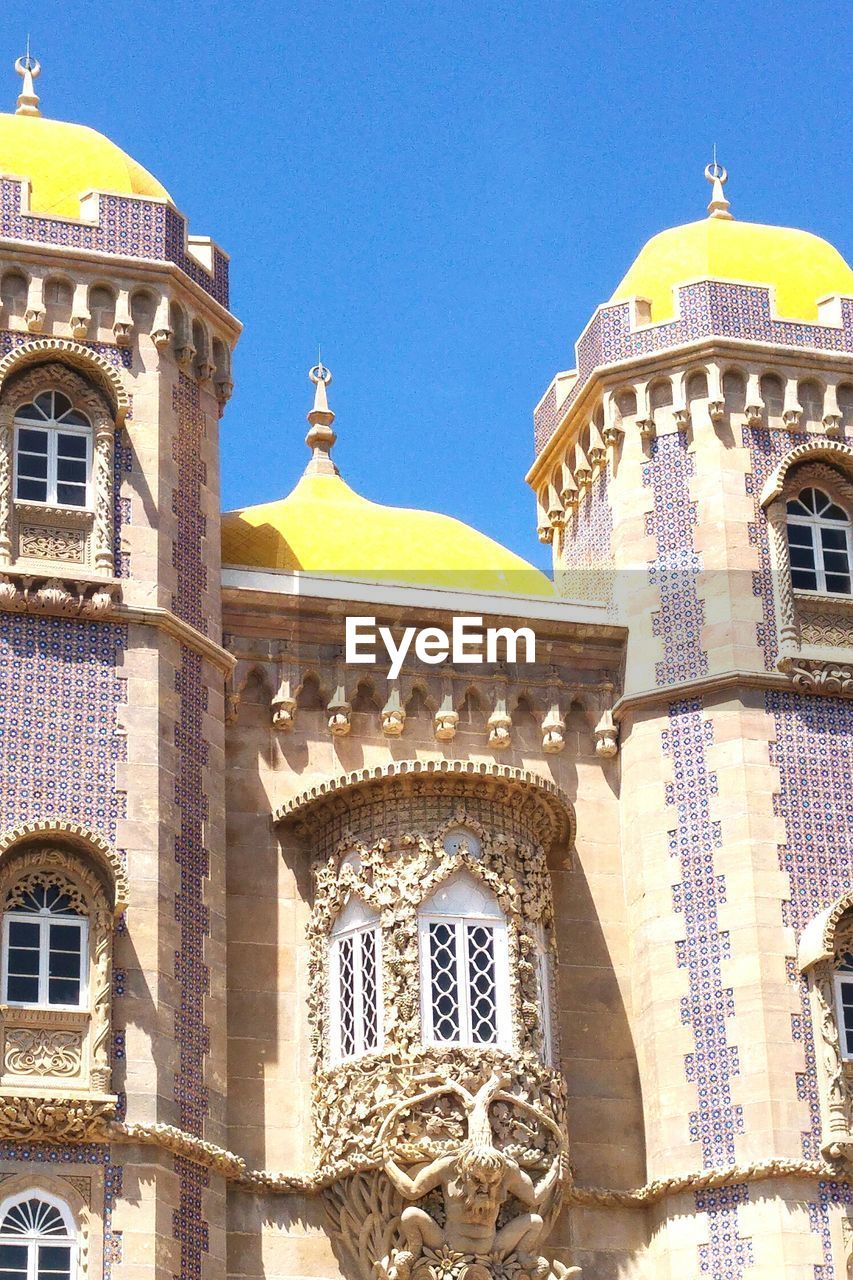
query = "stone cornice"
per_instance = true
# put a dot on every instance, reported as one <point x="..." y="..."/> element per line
<point x="719" y="682"/>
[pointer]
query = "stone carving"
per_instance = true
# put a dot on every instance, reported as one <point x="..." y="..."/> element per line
<point x="837" y="1085"/>
<point x="51" y="542"/>
<point x="43" y="1052"/>
<point x="71" y="832"/>
<point x="832" y="678"/>
<point x="825" y="627"/>
<point x="54" y="1119"/>
<point x="66" y="597"/>
<point x="606" y="736"/>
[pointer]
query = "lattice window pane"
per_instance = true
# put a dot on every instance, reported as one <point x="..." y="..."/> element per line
<point x="845" y="988"/>
<point x="33" y="1217"/>
<point x="444" y="982"/>
<point x="482" y="987"/>
<point x="369" y="941"/>
<point x="346" y="991"/>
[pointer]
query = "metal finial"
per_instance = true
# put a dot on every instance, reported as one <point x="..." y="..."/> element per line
<point x="321" y="437"/>
<point x="320" y="373"/>
<point x="29" y="69"/>
<point x="718" y="176"/>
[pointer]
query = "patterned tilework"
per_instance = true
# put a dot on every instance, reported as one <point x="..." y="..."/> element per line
<point x="128" y="227"/>
<point x="706" y="309"/>
<point x="192" y="974"/>
<point x="708" y="1006"/>
<point x="587" y="555"/>
<point x="675" y="570"/>
<point x="186" y="504"/>
<point x="60" y="686"/>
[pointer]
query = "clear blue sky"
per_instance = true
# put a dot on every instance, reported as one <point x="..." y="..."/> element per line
<point x="441" y="193"/>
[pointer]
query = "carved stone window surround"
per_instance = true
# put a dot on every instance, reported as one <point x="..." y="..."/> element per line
<point x="85" y="396"/>
<point x="45" y="1050"/>
<point x="823" y="946"/>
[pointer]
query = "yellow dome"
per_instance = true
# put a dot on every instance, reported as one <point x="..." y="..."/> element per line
<point x="798" y="266"/>
<point x="62" y="161"/>
<point x="323" y="526"/>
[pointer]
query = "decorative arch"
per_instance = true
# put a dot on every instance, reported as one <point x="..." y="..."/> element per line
<point x="82" y="840"/>
<point x="834" y="452"/>
<point x="91" y="363"/>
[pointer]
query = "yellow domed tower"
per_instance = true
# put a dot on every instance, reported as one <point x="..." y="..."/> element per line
<point x="694" y="469"/>
<point x="115" y="349"/>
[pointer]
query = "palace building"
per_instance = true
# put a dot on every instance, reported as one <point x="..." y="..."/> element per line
<point x="511" y="970"/>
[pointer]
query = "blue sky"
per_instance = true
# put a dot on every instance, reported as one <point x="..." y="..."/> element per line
<point x="441" y="193"/>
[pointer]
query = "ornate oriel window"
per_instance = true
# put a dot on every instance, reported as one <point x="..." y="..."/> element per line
<point x="57" y="441"/>
<point x="820" y="543"/>
<point x="57" y="934"/>
<point x="38" y="1239"/>
<point x="44" y="942"/>
<point x="53" y="452"/>
<point x="355" y="975"/>
<point x="826" y="957"/>
<point x="464" y="966"/>
<point x="844" y="1004"/>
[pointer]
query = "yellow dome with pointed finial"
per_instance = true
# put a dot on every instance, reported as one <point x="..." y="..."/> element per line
<point x="799" y="267"/>
<point x="324" y="526"/>
<point x="63" y="161"/>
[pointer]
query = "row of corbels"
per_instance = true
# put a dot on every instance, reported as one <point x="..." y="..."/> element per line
<point x="499" y="725"/>
<point x="561" y="497"/>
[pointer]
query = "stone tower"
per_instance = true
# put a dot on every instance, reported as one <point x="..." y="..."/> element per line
<point x="116" y="346"/>
<point x="704" y="428"/>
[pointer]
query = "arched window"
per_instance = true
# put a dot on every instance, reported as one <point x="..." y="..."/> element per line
<point x="355" y="997"/>
<point x="53" y="452"/>
<point x="844" y="1005"/>
<point x="38" y="1240"/>
<point x="464" y="966"/>
<point x="819" y="543"/>
<point x="44" y="947"/>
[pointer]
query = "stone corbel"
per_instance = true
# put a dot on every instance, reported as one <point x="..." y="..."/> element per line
<point x="123" y="323"/>
<point x="597" y="448"/>
<point x="446" y="718"/>
<point x="499" y="725"/>
<point x="716" y="399"/>
<point x="161" y="330"/>
<point x="645" y="417"/>
<point x="833" y="423"/>
<point x="568" y="489"/>
<point x="224" y="389"/>
<point x="553" y="729"/>
<point x="185" y="357"/>
<point x="283" y="705"/>
<point x="544" y="531"/>
<point x="606" y="735"/>
<point x="583" y="471"/>
<point x="680" y="408"/>
<point x="339" y="712"/>
<point x="35" y="312"/>
<point x="613" y="432"/>
<point x="792" y="410"/>
<point x="754" y="407"/>
<point x="80" y="315"/>
<point x="393" y="714"/>
<point x="556" y="514"/>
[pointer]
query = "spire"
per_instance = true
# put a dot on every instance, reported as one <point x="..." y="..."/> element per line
<point x="718" y="177"/>
<point x="29" y="69"/>
<point x="321" y="437"/>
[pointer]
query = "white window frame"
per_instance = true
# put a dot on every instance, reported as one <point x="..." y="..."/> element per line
<point x="815" y="524"/>
<point x="53" y="428"/>
<point x="842" y="979"/>
<point x="44" y="918"/>
<point x="33" y="1242"/>
<point x="362" y="922"/>
<point x="460" y="922"/>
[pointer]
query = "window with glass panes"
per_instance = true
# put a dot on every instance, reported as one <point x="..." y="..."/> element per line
<point x="543" y="982"/>
<point x="819" y="543"/>
<point x="356" y="984"/>
<point x="37" y="1239"/>
<point x="53" y="452"/>
<point x="844" y="1006"/>
<point x="464" y="967"/>
<point x="44" y="950"/>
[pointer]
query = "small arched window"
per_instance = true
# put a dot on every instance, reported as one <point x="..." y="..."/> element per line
<point x="464" y="966"/>
<point x="44" y="948"/>
<point x="38" y="1240"/>
<point x="844" y="1005"/>
<point x="355" y="1001"/>
<point x="819" y="543"/>
<point x="53" y="452"/>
